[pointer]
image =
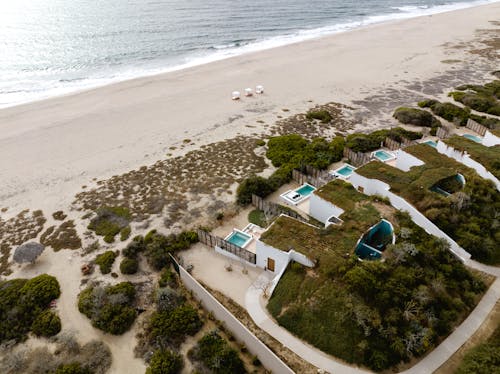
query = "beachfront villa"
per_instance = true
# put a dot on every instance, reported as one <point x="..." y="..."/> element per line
<point x="383" y="155"/>
<point x="298" y="195"/>
<point x="343" y="172"/>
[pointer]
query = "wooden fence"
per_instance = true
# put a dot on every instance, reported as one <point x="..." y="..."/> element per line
<point x="476" y="127"/>
<point x="357" y="158"/>
<point x="272" y="209"/>
<point x="314" y="177"/>
<point x="394" y="145"/>
<point x="212" y="241"/>
<point x="442" y="133"/>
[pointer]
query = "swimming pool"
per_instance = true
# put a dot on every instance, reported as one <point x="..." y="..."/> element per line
<point x="305" y="189"/>
<point x="383" y="155"/>
<point x="238" y="238"/>
<point x="474" y="138"/>
<point x="373" y="242"/>
<point x="345" y="171"/>
<point x="299" y="194"/>
<point x="432" y="143"/>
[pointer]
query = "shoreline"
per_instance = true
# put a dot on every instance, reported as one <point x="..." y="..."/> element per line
<point x="192" y="65"/>
<point x="51" y="148"/>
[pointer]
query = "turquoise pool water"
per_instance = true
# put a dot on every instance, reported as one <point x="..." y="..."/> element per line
<point x="474" y="138"/>
<point x="305" y="190"/>
<point x="432" y="143"/>
<point x="374" y="241"/>
<point x="345" y="171"/>
<point x="383" y="155"/>
<point x="238" y="238"/>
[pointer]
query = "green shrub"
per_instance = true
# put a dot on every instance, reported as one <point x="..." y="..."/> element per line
<point x="260" y="143"/>
<point x="175" y="325"/>
<point x="167" y="278"/>
<point x="253" y="185"/>
<point x="40" y="291"/>
<point x="283" y="149"/>
<point x="257" y="217"/>
<point x="129" y="266"/>
<point x="450" y="112"/>
<point x="109" y="222"/>
<point x="46" y="324"/>
<point x="165" y="362"/>
<point x="111" y="308"/>
<point x="484" y="358"/>
<point x="322" y="115"/>
<point x="105" y="261"/>
<point x="416" y="117"/>
<point x="216" y="354"/>
<point x="22" y="301"/>
<point x="73" y="368"/>
<point x="125" y="233"/>
<point x="136" y="246"/>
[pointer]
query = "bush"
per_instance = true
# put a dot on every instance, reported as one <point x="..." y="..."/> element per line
<point x="165" y="362"/>
<point x="125" y="233"/>
<point x="167" y="278"/>
<point x="483" y="359"/>
<point x="416" y="117"/>
<point x="257" y="217"/>
<point x="322" y="115"/>
<point x="109" y="222"/>
<point x="46" y="324"/>
<point x="136" y="246"/>
<point x="105" y="261"/>
<point x="175" y="325"/>
<point x="111" y="308"/>
<point x="216" y="354"/>
<point x="253" y="185"/>
<point x="448" y="111"/>
<point x="129" y="266"/>
<point x="21" y="303"/>
<point x="283" y="149"/>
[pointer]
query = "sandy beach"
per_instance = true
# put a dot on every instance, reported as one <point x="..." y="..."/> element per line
<point x="50" y="148"/>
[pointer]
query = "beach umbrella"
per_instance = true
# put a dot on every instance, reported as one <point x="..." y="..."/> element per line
<point x="235" y="95"/>
<point x="28" y="252"/>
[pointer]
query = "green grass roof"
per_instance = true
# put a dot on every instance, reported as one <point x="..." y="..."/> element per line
<point x="340" y="193"/>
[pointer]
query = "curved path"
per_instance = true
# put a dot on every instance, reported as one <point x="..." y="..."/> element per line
<point x="430" y="363"/>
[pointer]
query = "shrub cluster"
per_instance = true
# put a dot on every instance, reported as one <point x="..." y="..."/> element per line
<point x="157" y="247"/>
<point x="416" y="117"/>
<point x="215" y="354"/>
<point x="320" y="114"/>
<point x="105" y="261"/>
<point x="358" y="142"/>
<point x="164" y="361"/>
<point x="73" y="368"/>
<point x="109" y="308"/>
<point x="483" y="359"/>
<point x="448" y="111"/>
<point x="290" y="152"/>
<point x="480" y="98"/>
<point x="171" y="326"/>
<point x="129" y="266"/>
<point x="24" y="307"/>
<point x="110" y="221"/>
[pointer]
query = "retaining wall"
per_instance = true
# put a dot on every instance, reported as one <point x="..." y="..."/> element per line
<point x="241" y="333"/>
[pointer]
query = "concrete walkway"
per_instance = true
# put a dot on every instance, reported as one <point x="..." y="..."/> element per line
<point x="313" y="355"/>
<point x="428" y="364"/>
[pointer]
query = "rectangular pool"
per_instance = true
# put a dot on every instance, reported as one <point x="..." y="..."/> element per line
<point x="344" y="171"/>
<point x="238" y="238"/>
<point x="305" y="189"/>
<point x="474" y="138"/>
<point x="383" y="155"/>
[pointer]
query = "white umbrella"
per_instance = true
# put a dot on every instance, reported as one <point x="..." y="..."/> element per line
<point x="259" y="89"/>
<point x="248" y="92"/>
<point x="235" y="95"/>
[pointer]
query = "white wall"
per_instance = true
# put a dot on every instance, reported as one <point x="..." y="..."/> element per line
<point x="270" y="361"/>
<point x="490" y="140"/>
<point x="281" y="261"/>
<point x="321" y="209"/>
<point x="465" y="159"/>
<point x="405" y="161"/>
<point x="376" y="187"/>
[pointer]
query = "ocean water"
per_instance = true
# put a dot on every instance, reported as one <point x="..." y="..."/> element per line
<point x="53" y="47"/>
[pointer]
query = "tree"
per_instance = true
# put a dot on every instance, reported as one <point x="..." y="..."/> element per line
<point x="46" y="324"/>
